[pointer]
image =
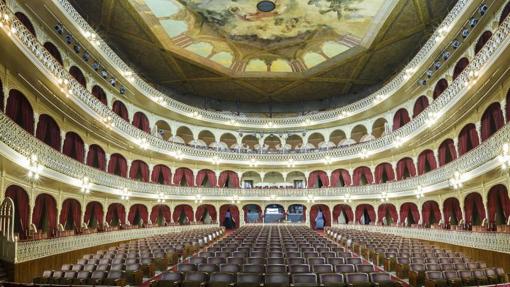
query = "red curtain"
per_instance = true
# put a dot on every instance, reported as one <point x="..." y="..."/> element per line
<point x="78" y="75"/>
<point x="161" y="174"/>
<point x="385" y="209"/>
<point x="48" y="131"/>
<point x="140" y="210"/>
<point x="99" y="93"/>
<point x="210" y="209"/>
<point x="360" y="209"/>
<point x="228" y="178"/>
<point x="74" y="147"/>
<point x="468" y="139"/>
<point x="346" y="209"/>
<point x="451" y="208"/>
<point x="315" y="176"/>
<point x="420" y="105"/>
<point x="21" y="208"/>
<point x="162" y="209"/>
<point x="20" y="111"/>
<point x="73" y="208"/>
<point x="117" y="165"/>
<point x="234" y="211"/>
<point x="96" y="157"/>
<point x="498" y="195"/>
<point x="325" y="211"/>
<point x="482" y="41"/>
<point x="188" y="211"/>
<point x="202" y="175"/>
<point x="504" y="14"/>
<point x="340" y="174"/>
<point x="93" y="208"/>
<point x="360" y="173"/>
<point x="405" y="168"/>
<point x="428" y="208"/>
<point x="26" y="22"/>
<point x="400" y="119"/>
<point x="183" y="173"/>
<point x="384" y="172"/>
<point x="492" y="121"/>
<point x="407" y="208"/>
<point x="426" y="159"/>
<point x="141" y="122"/>
<point x="116" y="210"/>
<point x="139" y="171"/>
<point x="441" y="86"/>
<point x="120" y="109"/>
<point x="473" y="200"/>
<point x="54" y="52"/>
<point x="45" y="212"/>
<point x="447" y="152"/>
<point x="459" y="67"/>
<point x="507" y="106"/>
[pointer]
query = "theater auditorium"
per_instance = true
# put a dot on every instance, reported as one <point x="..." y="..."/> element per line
<point x="254" y="143"/>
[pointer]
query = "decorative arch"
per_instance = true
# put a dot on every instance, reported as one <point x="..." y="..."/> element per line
<point x="249" y="142"/>
<point x="161" y="215"/>
<point x="498" y="205"/>
<point x="44" y="215"/>
<point x="70" y="214"/>
<point x="482" y="40"/>
<point x="379" y="127"/>
<point x="120" y="109"/>
<point x="409" y="214"/>
<point x="116" y="214"/>
<point x="228" y="179"/>
<point x="183" y="177"/>
<point x="93" y="214"/>
<point x="26" y="22"/>
<point x="164" y="130"/>
<point x="206" y="178"/>
<point x="161" y="174"/>
<point x="206" y="213"/>
<point x="492" y="121"/>
<point x="229" y="139"/>
<point x="314" y="210"/>
<point x="138" y="215"/>
<point x="504" y="14"/>
<point x="295" y="141"/>
<point x="117" y="165"/>
<point x="207" y="136"/>
<point x="342" y="214"/>
<point x="459" y="67"/>
<point x="20" y="110"/>
<point x="96" y="157"/>
<point x="362" y="176"/>
<point x="183" y="214"/>
<point x="271" y="142"/>
<point x="21" y="209"/>
<point x="337" y="136"/>
<point x="74" y="146"/>
<point x="296" y="213"/>
<point x="233" y="222"/>
<point x="77" y="74"/>
<point x="384" y="173"/>
<point x="340" y="177"/>
<point x="315" y="139"/>
<point x="48" y="131"/>
<point x="447" y="152"/>
<point x="405" y="168"/>
<point x="451" y="211"/>
<point x="468" y="139"/>
<point x="387" y="214"/>
<point x="420" y="105"/>
<point x="185" y="133"/>
<point x="474" y="211"/>
<point x="54" y="52"/>
<point x="100" y="94"/>
<point x="141" y="122"/>
<point x="139" y="171"/>
<point x="431" y="213"/>
<point x="365" y="214"/>
<point x="426" y="161"/>
<point x="400" y="118"/>
<point x="440" y="87"/>
<point x="318" y="179"/>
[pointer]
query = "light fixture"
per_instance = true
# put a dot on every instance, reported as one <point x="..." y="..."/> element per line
<point x="364" y="154"/>
<point x="504" y="159"/>
<point x="419" y="192"/>
<point x="379" y="98"/>
<point x="344" y="114"/>
<point x="432" y="118"/>
<point x="270" y="125"/>
<point x="34" y="167"/>
<point x="108" y="122"/>
<point x="307" y="122"/>
<point x="125" y="194"/>
<point x="129" y="76"/>
<point x="235" y="199"/>
<point x="408" y="73"/>
<point x="328" y="160"/>
<point x="399" y="141"/>
<point x="310" y="198"/>
<point x="142" y="143"/>
<point x="291" y="163"/>
<point x="196" y="115"/>
<point x="178" y="154"/>
<point x="347" y="198"/>
<point x="85" y="185"/>
<point x="161" y="198"/>
<point x="384" y="196"/>
<point x="216" y="160"/>
<point x="253" y="162"/>
<point x="198" y="198"/>
<point x="456" y="181"/>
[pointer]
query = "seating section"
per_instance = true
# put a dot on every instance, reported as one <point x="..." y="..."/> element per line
<point x="274" y="255"/>
<point x="420" y="262"/>
<point x="129" y="263"/>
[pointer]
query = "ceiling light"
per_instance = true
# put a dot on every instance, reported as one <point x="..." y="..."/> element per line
<point x="253" y="162"/>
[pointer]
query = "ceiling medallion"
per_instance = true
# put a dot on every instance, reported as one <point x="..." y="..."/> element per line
<point x="266" y="6"/>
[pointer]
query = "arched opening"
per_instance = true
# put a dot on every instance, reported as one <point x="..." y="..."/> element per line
<point x="99" y="93"/>
<point x="141" y="122"/>
<point x="96" y="157"/>
<point x="138" y="215"/>
<point x="1" y="96"/>
<point x="459" y="67"/>
<point x="44" y="215"/>
<point x="228" y="179"/>
<point x="420" y="105"/>
<point x="54" y="52"/>
<point x="504" y="14"/>
<point x="379" y="127"/>
<point x="492" y="121"/>
<point x="20" y="111"/>
<point x="230" y="141"/>
<point x="340" y="178"/>
<point x="387" y="214"/>
<point x="320" y="216"/>
<point x="468" y="139"/>
<point x="161" y="174"/>
<point x="498" y="205"/>
<point x="26" y="22"/>
<point x="384" y="173"/>
<point x="482" y="40"/>
<point x="342" y="214"/>
<point x="272" y="179"/>
<point x="451" y="211"/>
<point x="405" y="168"/>
<point x="318" y="179"/>
<point x="249" y="142"/>
<point x="365" y="214"/>
<point x="250" y="179"/>
<point x="409" y="214"/>
<point x="183" y="177"/>
<point x="431" y="213"/>
<point x="358" y="132"/>
<point x="474" y="210"/>
<point x="337" y="136"/>
<point x="206" y="214"/>
<point x="93" y="215"/>
<point x="229" y="216"/>
<point x="296" y="179"/>
<point x="295" y="141"/>
<point x="400" y="118"/>
<point x="252" y="213"/>
<point x="70" y="214"/>
<point x="271" y="143"/>
<point x="315" y="139"/>
<point x="184" y="133"/>
<point x="206" y="178"/>
<point x="362" y="176"/>
<point x="48" y="131"/>
<point x="274" y="213"/>
<point x="21" y="209"/>
<point x="296" y="213"/>
<point x="116" y="215"/>
<point x="426" y="161"/>
<point x="207" y="137"/>
<point x="77" y="74"/>
<point x="447" y="152"/>
<point x="183" y="214"/>
<point x="139" y="171"/>
<point x="120" y="109"/>
<point x="160" y="215"/>
<point x="441" y="86"/>
<point x="74" y="147"/>
<point x="117" y="165"/>
<point x="164" y="130"/>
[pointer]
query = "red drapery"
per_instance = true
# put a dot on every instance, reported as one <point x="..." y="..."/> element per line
<point x="183" y="173"/>
<point x="400" y="119"/>
<point x="420" y="105"/>
<point x="48" y="131"/>
<point x="54" y="52"/>
<point x="507" y="106"/>
<point x="315" y="176"/>
<point x="162" y="209"/>
<point x="93" y="208"/>
<point x="234" y="211"/>
<point x="473" y="200"/>
<point x="99" y="93"/>
<point x="428" y="208"/>
<point x="140" y="210"/>
<point x="482" y="41"/>
<point x="161" y="174"/>
<point x="96" y="157"/>
<point x="441" y="86"/>
<point x="72" y="208"/>
<point x="498" y="195"/>
<point x="139" y="171"/>
<point x="26" y="22"/>
<point x="447" y="152"/>
<point x="340" y="177"/>
<point x="120" y="109"/>
<point x="492" y="121"/>
<point x="387" y="208"/>
<point x="117" y="165"/>
<point x="77" y="74"/>
<point x="362" y="172"/>
<point x="20" y="111"/>
<point x="505" y="13"/>
<point x="411" y="208"/>
<point x="228" y="178"/>
<point x="188" y="211"/>
<point x="459" y="67"/>
<point x="201" y="211"/>
<point x="451" y="208"/>
<point x="346" y="209"/>
<point x="141" y="122"/>
<point x="325" y="211"/>
<point x="426" y="159"/>
<point x="360" y="209"/>
<point x="202" y="175"/>
<point x="116" y="210"/>
<point x="405" y="168"/>
<point x="21" y="208"/>
<point x="468" y="139"/>
<point x="74" y="147"/>
<point x="384" y="172"/>
<point x="45" y="212"/>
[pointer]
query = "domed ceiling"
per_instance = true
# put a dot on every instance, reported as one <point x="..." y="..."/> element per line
<point x="265" y="56"/>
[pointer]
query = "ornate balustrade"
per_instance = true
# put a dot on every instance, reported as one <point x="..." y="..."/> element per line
<point x="492" y="241"/>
